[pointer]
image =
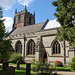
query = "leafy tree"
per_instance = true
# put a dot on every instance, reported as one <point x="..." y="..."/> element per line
<point x="66" y="17"/>
<point x="4" y="44"/>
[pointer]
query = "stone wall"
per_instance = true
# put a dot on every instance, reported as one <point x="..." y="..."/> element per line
<point x="47" y="38"/>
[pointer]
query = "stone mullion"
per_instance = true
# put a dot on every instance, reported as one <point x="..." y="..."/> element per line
<point x="32" y="47"/>
<point x="55" y="49"/>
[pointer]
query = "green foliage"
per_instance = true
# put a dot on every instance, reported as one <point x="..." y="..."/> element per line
<point x="73" y="59"/>
<point x="33" y="61"/>
<point x="16" y="57"/>
<point x="66" y="17"/>
<point x="58" y="64"/>
<point x="63" y="69"/>
<point x="65" y="8"/>
<point x="5" y="44"/>
<point x="65" y="66"/>
<point x="41" y="65"/>
<point x="73" y="63"/>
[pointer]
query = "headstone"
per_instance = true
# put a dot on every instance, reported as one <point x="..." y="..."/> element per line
<point x="28" y="68"/>
<point x="5" y="65"/>
<point x="10" y="70"/>
<point x="18" y="65"/>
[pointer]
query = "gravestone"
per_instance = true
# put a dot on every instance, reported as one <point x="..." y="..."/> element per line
<point x="5" y="65"/>
<point x="28" y="68"/>
<point x="10" y="70"/>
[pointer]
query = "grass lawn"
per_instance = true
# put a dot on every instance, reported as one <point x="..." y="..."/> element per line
<point x="23" y="65"/>
<point x="23" y="71"/>
<point x="63" y="69"/>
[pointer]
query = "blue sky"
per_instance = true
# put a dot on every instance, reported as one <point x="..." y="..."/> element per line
<point x="43" y="10"/>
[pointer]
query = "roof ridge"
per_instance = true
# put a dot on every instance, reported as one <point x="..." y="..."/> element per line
<point x="30" y="25"/>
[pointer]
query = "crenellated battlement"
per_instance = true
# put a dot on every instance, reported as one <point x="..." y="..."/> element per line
<point x="23" y="18"/>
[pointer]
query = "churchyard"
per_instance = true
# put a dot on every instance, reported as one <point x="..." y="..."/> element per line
<point x="32" y="69"/>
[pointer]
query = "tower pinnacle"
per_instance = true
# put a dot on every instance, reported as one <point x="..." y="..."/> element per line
<point x="25" y="8"/>
<point x="15" y="11"/>
<point x="34" y="13"/>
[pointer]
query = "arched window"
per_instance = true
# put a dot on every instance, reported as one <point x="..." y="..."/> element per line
<point x="19" y="47"/>
<point x="31" y="47"/>
<point x="56" y="48"/>
<point x="29" y="20"/>
<point x="19" y="18"/>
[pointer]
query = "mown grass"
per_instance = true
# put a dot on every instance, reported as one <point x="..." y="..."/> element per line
<point x="63" y="69"/>
<point x="23" y="71"/>
<point x="22" y="65"/>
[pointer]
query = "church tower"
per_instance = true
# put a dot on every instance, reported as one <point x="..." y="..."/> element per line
<point x="23" y="18"/>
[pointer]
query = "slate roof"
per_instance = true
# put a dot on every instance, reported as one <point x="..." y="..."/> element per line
<point x="52" y="24"/>
<point x="28" y="29"/>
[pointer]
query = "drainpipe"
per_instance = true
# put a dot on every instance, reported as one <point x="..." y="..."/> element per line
<point x="64" y="54"/>
<point x="24" y="48"/>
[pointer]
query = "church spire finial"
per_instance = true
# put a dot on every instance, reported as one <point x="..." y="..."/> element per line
<point x="34" y="13"/>
<point x="15" y="11"/>
<point x="25" y="8"/>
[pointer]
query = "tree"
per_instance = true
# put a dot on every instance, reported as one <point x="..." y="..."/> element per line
<point x="4" y="44"/>
<point x="66" y="17"/>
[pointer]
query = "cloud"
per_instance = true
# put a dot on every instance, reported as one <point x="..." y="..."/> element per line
<point x="25" y="2"/>
<point x="6" y="3"/>
<point x="8" y="23"/>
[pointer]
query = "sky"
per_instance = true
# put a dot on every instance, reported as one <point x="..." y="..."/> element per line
<point x="43" y="10"/>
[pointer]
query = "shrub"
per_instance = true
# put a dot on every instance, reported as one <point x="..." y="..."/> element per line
<point x="16" y="57"/>
<point x="41" y="64"/>
<point x="65" y="66"/>
<point x="73" y="59"/>
<point x="73" y="63"/>
<point x="33" y="61"/>
<point x="58" y="64"/>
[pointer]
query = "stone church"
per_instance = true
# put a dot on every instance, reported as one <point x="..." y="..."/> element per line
<point x="38" y="40"/>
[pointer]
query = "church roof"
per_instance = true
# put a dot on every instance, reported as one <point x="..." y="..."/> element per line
<point x="52" y="24"/>
<point x="28" y="29"/>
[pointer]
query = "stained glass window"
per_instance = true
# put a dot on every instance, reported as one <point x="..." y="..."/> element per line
<point x="31" y="47"/>
<point x="56" y="48"/>
<point x="19" y="47"/>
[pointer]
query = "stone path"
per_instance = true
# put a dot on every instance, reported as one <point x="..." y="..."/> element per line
<point x="66" y="72"/>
